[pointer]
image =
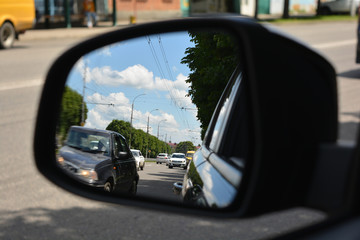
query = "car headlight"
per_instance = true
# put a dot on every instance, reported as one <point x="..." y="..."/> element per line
<point x="90" y="174"/>
<point x="60" y="160"/>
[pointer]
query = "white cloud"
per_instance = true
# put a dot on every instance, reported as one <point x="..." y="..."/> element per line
<point x="105" y="51"/>
<point x="118" y="99"/>
<point x="82" y="67"/>
<point x="118" y="106"/>
<point x="136" y="76"/>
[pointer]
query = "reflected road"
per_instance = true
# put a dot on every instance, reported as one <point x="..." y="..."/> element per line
<point x="156" y="180"/>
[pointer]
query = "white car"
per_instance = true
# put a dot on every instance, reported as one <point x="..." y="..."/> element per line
<point x="140" y="160"/>
<point x="177" y="160"/>
<point x="162" y="158"/>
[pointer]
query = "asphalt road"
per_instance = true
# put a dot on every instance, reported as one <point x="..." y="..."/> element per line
<point x="156" y="180"/>
<point x="337" y="42"/>
<point x="33" y="208"/>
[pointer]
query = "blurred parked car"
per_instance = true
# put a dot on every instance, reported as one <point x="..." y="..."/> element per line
<point x="337" y="6"/>
<point x="177" y="160"/>
<point x="139" y="158"/>
<point x="99" y="158"/>
<point x="162" y="158"/>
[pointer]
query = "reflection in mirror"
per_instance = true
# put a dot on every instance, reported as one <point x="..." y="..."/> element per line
<point x="156" y="94"/>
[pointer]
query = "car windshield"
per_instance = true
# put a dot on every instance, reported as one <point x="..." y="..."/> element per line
<point x="177" y="156"/>
<point x="135" y="153"/>
<point x="190" y="154"/>
<point x="93" y="142"/>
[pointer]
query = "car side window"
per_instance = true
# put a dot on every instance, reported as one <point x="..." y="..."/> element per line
<point x="119" y="145"/>
<point x="223" y="113"/>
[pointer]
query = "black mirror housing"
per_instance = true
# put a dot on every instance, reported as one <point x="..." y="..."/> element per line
<point x="292" y="96"/>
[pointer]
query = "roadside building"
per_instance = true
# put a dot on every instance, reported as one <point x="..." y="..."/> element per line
<point x="247" y="7"/>
<point x="54" y="11"/>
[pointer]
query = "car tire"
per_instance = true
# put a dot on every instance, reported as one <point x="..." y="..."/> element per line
<point x="133" y="188"/>
<point x="108" y="186"/>
<point x="170" y="166"/>
<point x="7" y="35"/>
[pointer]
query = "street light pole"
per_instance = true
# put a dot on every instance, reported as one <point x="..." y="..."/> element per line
<point x="131" y="118"/>
<point x="159" y="127"/>
<point x="147" y="133"/>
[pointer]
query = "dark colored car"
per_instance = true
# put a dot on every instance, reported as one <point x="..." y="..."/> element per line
<point x="99" y="158"/>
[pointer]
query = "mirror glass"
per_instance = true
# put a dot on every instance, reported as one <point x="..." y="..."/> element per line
<point x="157" y="94"/>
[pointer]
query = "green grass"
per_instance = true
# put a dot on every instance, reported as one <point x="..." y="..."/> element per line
<point x="150" y="160"/>
<point x="308" y="19"/>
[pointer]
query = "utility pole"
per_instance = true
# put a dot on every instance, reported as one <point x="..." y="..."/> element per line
<point x="131" y="118"/>
<point x="159" y="127"/>
<point x="47" y="14"/>
<point x="147" y="132"/>
<point x="83" y="102"/>
<point x="67" y="14"/>
<point x="114" y="13"/>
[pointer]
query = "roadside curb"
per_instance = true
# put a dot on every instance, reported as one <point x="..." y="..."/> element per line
<point x="74" y="32"/>
<point x="38" y="34"/>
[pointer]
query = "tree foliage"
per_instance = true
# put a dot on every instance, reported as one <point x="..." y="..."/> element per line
<point x="70" y="112"/>
<point x="211" y="61"/>
<point x="183" y="147"/>
<point x="139" y="140"/>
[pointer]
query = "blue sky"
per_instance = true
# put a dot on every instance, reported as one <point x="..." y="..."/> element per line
<point x="149" y="73"/>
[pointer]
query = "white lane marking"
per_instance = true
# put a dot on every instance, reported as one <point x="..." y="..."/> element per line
<point x="335" y="44"/>
<point x="22" y="84"/>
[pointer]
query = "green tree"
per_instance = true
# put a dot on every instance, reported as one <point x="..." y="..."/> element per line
<point x="121" y="127"/>
<point x="139" y="138"/>
<point x="71" y="111"/>
<point x="211" y="61"/>
<point x="183" y="147"/>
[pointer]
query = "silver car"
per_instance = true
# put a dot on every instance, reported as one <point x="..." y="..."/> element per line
<point x="162" y="158"/>
<point x="140" y="160"/>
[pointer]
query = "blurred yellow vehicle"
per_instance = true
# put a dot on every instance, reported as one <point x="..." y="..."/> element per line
<point x="189" y="156"/>
<point x="15" y="17"/>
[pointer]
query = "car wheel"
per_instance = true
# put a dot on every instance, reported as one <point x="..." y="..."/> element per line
<point x="133" y="188"/>
<point x="7" y="35"/>
<point x="170" y="166"/>
<point x="108" y="187"/>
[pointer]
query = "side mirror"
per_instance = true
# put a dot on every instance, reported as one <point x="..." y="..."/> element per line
<point x="260" y="105"/>
<point x="123" y="155"/>
<point x="177" y="188"/>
